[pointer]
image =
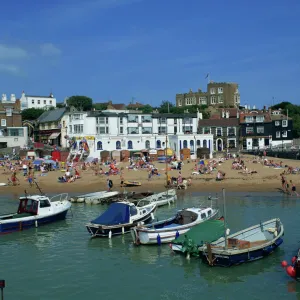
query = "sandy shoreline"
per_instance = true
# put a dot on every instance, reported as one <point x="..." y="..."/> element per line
<point x="266" y="180"/>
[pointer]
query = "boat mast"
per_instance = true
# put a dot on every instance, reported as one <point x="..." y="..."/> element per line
<point x="166" y="160"/>
<point x="225" y="218"/>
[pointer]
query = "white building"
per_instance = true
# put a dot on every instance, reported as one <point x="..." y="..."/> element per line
<point x="125" y="130"/>
<point x="14" y="137"/>
<point x="29" y="101"/>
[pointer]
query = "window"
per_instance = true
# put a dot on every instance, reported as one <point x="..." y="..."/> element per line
<point x="32" y="101"/>
<point x="213" y="100"/>
<point x="189" y="101"/>
<point x="278" y="134"/>
<point x="260" y="119"/>
<point x="231" y="131"/>
<point x="163" y="120"/>
<point x="3" y="122"/>
<point x="133" y="130"/>
<point x="185" y="144"/>
<point x="249" y="130"/>
<point x="220" y="99"/>
<point x="8" y="112"/>
<point x="50" y="102"/>
<point x="99" y="130"/>
<point x="220" y="90"/>
<point x="77" y="117"/>
<point x="158" y="144"/>
<point x="284" y="134"/>
<point x="260" y="129"/>
<point x="121" y="120"/>
<point x="237" y="98"/>
<point x="146" y="119"/>
<point x="179" y="102"/>
<point x="187" y="129"/>
<point x="44" y="203"/>
<point x="99" y="145"/>
<point x="118" y="145"/>
<point x="203" y="101"/>
<point x="284" y="123"/>
<point x="70" y="129"/>
<point x="206" y="130"/>
<point x="204" y="143"/>
<point x="129" y="145"/>
<point x="219" y="131"/>
<point x="121" y="130"/>
<point x="198" y="143"/>
<point x="15" y="132"/>
<point x="146" y="130"/>
<point x="162" y="130"/>
<point x="132" y="119"/>
<point x="212" y="91"/>
<point x="277" y="123"/>
<point x="39" y="101"/>
<point x="147" y="144"/>
<point x="249" y="119"/>
<point x="78" y="128"/>
<point x="45" y="102"/>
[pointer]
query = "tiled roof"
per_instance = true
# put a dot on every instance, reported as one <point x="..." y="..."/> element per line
<point x="257" y="113"/>
<point x="279" y="117"/>
<point x="219" y="122"/>
<point x="135" y="105"/>
<point x="52" y="115"/>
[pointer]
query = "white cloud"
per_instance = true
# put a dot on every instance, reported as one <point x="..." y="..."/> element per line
<point x="49" y="49"/>
<point x="10" y="69"/>
<point x="12" y="53"/>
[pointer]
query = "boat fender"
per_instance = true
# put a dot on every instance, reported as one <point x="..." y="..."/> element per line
<point x="109" y="234"/>
<point x="36" y="223"/>
<point x="290" y="270"/>
<point x="137" y="238"/>
<point x="152" y="216"/>
<point x="158" y="239"/>
<point x="123" y="231"/>
<point x="294" y="259"/>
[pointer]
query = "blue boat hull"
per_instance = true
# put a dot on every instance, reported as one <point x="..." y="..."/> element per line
<point x="19" y="225"/>
<point x="230" y="260"/>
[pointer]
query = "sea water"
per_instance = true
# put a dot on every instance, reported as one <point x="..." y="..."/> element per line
<point x="60" y="261"/>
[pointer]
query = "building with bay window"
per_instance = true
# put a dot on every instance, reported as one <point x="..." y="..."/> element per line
<point x="132" y="130"/>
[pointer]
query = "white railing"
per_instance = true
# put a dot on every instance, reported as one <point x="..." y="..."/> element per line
<point x="60" y="197"/>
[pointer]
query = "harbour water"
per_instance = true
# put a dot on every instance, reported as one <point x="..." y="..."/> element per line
<point x="60" y="261"/>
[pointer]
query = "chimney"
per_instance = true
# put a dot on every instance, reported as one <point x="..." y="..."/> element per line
<point x="13" y="98"/>
<point x="227" y="114"/>
<point x="4" y="98"/>
<point x="223" y="113"/>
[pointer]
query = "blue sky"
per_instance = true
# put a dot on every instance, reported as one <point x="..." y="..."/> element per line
<point x="150" y="49"/>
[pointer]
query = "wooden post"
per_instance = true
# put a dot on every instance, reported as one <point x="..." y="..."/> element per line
<point x="166" y="152"/>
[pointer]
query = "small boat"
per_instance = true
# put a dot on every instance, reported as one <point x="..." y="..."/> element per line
<point x="34" y="211"/>
<point x="250" y="244"/>
<point x="164" y="198"/>
<point x="128" y="183"/>
<point x="167" y="230"/>
<point x="82" y="198"/>
<point x="247" y="245"/>
<point x="101" y="198"/>
<point x="189" y="243"/>
<point x="294" y="269"/>
<point x="119" y="218"/>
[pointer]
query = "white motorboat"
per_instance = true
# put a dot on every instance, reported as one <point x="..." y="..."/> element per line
<point x="119" y="218"/>
<point x="82" y="198"/>
<point x="100" y="199"/>
<point x="167" y="230"/>
<point x="34" y="211"/>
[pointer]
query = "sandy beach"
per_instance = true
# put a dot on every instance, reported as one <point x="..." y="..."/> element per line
<point x="267" y="179"/>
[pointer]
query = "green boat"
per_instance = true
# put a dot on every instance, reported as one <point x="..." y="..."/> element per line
<point x="196" y="237"/>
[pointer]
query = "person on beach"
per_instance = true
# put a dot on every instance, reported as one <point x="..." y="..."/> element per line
<point x="293" y="189"/>
<point x="121" y="177"/>
<point x="283" y="181"/>
<point x="109" y="184"/>
<point x="30" y="179"/>
<point x="14" y="179"/>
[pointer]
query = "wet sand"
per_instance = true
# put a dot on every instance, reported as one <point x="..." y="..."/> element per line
<point x="266" y="180"/>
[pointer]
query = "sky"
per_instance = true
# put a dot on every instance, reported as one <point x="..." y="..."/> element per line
<point x="149" y="50"/>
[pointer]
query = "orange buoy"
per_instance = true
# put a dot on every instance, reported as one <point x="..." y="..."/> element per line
<point x="284" y="263"/>
<point x="291" y="271"/>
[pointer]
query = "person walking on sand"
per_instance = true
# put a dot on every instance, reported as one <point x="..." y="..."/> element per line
<point x="109" y="184"/>
<point x="283" y="182"/>
<point x="30" y="179"/>
<point x="293" y="189"/>
<point x="122" y="177"/>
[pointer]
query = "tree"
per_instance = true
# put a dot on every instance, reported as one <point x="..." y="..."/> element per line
<point x="31" y="114"/>
<point x="100" y="106"/>
<point x="165" y="107"/>
<point x="80" y="102"/>
<point x="60" y="105"/>
<point x="147" y="109"/>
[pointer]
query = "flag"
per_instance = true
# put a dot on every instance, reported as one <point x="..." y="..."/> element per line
<point x="206" y="75"/>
